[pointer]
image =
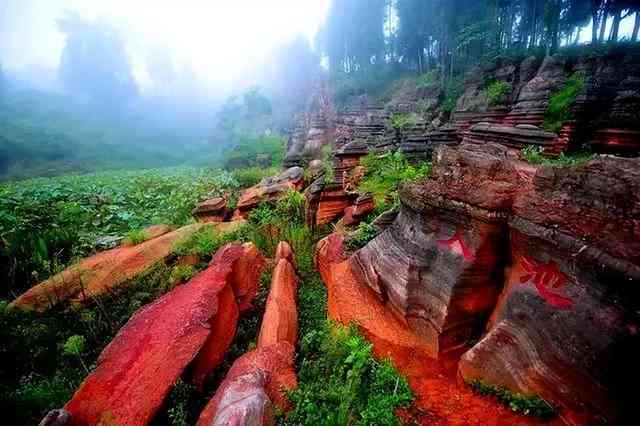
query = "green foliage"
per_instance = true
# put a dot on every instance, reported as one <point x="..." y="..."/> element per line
<point x="46" y="224"/>
<point x="341" y="383"/>
<point x="47" y="351"/>
<point x="178" y="403"/>
<point x="452" y="91"/>
<point x="181" y="273"/>
<point x="361" y="237"/>
<point x="385" y="173"/>
<point x="250" y="176"/>
<point x="400" y="122"/>
<point x="530" y="405"/>
<point x="559" y="108"/>
<point x="204" y="242"/>
<point x="328" y="166"/>
<point x="497" y="92"/>
<point x="428" y="80"/>
<point x="264" y="151"/>
<point x="534" y="155"/>
<point x="136" y="236"/>
<point x="75" y="345"/>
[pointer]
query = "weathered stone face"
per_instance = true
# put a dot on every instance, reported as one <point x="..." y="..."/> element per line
<point x="212" y="210"/>
<point x="539" y="263"/>
<point x="271" y="189"/>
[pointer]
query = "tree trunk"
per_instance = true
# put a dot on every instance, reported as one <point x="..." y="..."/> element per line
<point x="615" y="28"/>
<point x="636" y="27"/>
<point x="595" y="22"/>
<point x="603" y="21"/>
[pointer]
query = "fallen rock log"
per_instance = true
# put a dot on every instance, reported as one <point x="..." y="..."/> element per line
<point x="137" y="369"/>
<point x="100" y="273"/>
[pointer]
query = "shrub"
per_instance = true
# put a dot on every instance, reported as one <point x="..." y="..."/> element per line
<point x="340" y="382"/>
<point x="264" y="151"/>
<point x="400" y="122"/>
<point x="181" y="273"/>
<point x="534" y="155"/>
<point x="530" y="405"/>
<point x="204" y="242"/>
<point x="497" y="92"/>
<point x="385" y="173"/>
<point x="452" y="91"/>
<point x="559" y="109"/>
<point x="74" y="345"/>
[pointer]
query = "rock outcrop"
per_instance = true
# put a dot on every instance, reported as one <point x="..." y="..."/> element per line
<point x="270" y="189"/>
<point x="138" y="368"/>
<point x="524" y="258"/>
<point x="257" y="381"/>
<point x="100" y="273"/>
<point x="213" y="210"/>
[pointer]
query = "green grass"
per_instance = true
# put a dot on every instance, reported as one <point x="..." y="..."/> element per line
<point x="400" y="122"/>
<point x="534" y="155"/>
<point x="428" y="80"/>
<point x="385" y="173"/>
<point x="341" y="383"/>
<point x="559" y="108"/>
<point x="529" y="405"/>
<point x="203" y="243"/>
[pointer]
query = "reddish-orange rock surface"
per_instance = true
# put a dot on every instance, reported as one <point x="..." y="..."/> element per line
<point x="211" y="211"/>
<point x="246" y="266"/>
<point x="255" y="383"/>
<point x="440" y="396"/>
<point x="271" y="188"/>
<point x="280" y="321"/>
<point x="137" y="369"/>
<point x="100" y="273"/>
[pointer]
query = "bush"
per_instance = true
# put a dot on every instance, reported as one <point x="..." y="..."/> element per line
<point x="385" y="173"/>
<point x="340" y="382"/>
<point x="400" y="122"/>
<point x="559" y="109"/>
<point x="529" y="405"/>
<point x="497" y="92"/>
<point x="250" y="176"/>
<point x="428" y="80"/>
<point x="452" y="91"/>
<point x="534" y="155"/>
<point x="204" y="243"/>
<point x="264" y="151"/>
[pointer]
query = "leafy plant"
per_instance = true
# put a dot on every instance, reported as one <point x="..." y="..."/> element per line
<point x="427" y="80"/>
<point x="181" y="273"/>
<point x="497" y="92"/>
<point x="534" y="155"/>
<point x="452" y="91"/>
<point x="530" y="405"/>
<point x="250" y="176"/>
<point x="204" y="243"/>
<point x="559" y="109"/>
<point x="361" y="237"/>
<point x="385" y="173"/>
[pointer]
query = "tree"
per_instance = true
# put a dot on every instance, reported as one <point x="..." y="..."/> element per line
<point x="94" y="62"/>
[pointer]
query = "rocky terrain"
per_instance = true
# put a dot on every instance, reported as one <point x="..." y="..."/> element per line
<point x="493" y="273"/>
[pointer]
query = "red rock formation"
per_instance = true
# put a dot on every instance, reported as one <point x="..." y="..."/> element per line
<point x="359" y="210"/>
<point x="212" y="210"/>
<point x="332" y="202"/>
<point x="280" y="321"/>
<point x="100" y="273"/>
<point x="246" y="275"/>
<point x="435" y="383"/>
<point x="255" y="383"/>
<point x="260" y="378"/>
<point x="271" y="189"/>
<point x="137" y="369"/>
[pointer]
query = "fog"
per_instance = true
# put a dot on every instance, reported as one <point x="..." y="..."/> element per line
<point x="158" y="74"/>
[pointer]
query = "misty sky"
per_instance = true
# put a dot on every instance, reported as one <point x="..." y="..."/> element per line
<point x="217" y="40"/>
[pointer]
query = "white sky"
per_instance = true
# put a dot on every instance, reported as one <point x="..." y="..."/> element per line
<point x="217" y="39"/>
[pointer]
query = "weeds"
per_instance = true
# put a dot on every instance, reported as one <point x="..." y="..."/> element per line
<point x="135" y="237"/>
<point x="534" y="155"/>
<point x="341" y="383"/>
<point x="399" y="122"/>
<point x="530" y="405"/>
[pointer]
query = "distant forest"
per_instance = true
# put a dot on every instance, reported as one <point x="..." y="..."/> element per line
<point x="366" y="36"/>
